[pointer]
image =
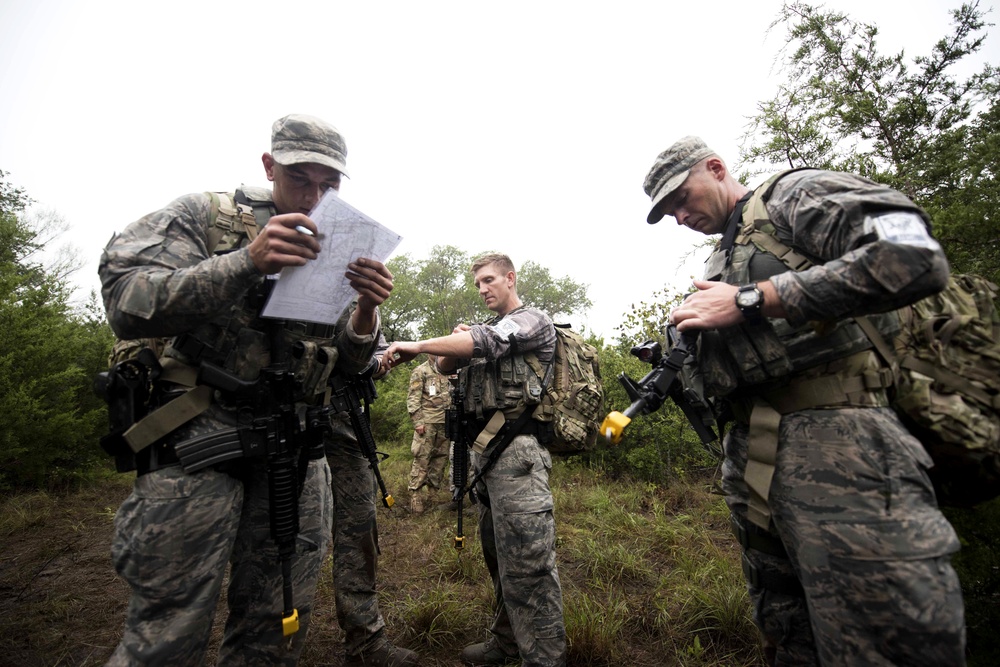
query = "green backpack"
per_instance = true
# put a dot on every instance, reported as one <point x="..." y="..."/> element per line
<point x="574" y="396"/>
<point x="946" y="362"/>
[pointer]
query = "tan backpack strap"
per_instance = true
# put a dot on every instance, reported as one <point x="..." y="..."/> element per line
<point x="792" y="259"/>
<point x="168" y="418"/>
<point x="883" y="349"/>
<point x="492" y="427"/>
<point x="215" y="232"/>
<point x="177" y="412"/>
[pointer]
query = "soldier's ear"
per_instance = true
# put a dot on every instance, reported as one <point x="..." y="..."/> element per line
<point x="716" y="167"/>
<point x="269" y="163"/>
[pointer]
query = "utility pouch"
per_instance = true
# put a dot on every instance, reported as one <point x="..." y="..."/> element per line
<point x="312" y="365"/>
<point x="758" y="353"/>
<point x="718" y="370"/>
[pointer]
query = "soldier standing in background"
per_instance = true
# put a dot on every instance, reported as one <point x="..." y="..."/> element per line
<point x="516" y="510"/>
<point x="428" y="398"/>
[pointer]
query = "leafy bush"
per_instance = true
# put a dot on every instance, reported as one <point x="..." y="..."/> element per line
<point x="50" y="419"/>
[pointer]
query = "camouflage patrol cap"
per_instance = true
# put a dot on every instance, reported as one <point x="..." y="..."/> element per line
<point x="670" y="170"/>
<point x="300" y="138"/>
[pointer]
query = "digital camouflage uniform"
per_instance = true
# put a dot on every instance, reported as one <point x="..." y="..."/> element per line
<point x="850" y="497"/>
<point x="428" y="398"/>
<point x="516" y="521"/>
<point x="176" y="532"/>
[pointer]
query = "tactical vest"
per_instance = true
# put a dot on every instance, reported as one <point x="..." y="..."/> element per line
<point x="771" y="368"/>
<point x="508" y="384"/>
<point x="238" y="341"/>
<point x="767" y="354"/>
<point x="498" y="390"/>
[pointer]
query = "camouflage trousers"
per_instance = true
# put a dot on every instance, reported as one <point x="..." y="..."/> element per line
<point x="854" y="508"/>
<point x="355" y="543"/>
<point x="429" y="453"/>
<point x="173" y="537"/>
<point x="518" y="533"/>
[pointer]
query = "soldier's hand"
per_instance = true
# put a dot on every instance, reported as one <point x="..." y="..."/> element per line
<point x="713" y="306"/>
<point x="280" y="244"/>
<point x="372" y="281"/>
<point x="401" y="352"/>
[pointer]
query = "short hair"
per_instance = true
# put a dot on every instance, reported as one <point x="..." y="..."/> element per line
<point x="500" y="259"/>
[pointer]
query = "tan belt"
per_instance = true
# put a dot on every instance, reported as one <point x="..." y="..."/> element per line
<point x="830" y="391"/>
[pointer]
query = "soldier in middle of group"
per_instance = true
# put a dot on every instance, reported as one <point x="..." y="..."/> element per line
<point x="516" y="519"/>
<point x="427" y="400"/>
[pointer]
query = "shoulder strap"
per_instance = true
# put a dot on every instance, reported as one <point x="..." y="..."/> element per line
<point x="499" y="443"/>
<point x="756" y="222"/>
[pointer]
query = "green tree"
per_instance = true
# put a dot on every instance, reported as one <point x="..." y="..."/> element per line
<point x="914" y="126"/>
<point x="49" y="352"/>
<point x="559" y="297"/>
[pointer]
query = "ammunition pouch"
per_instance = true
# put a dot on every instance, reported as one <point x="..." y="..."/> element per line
<point x="501" y="384"/>
<point x="312" y="365"/>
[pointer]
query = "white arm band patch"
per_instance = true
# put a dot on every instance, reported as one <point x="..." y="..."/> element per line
<point x="506" y="328"/>
<point x="902" y="227"/>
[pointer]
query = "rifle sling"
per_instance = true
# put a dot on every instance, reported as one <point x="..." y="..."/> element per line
<point x="500" y="440"/>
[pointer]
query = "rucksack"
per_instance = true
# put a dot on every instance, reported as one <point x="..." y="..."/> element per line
<point x="946" y="363"/>
<point x="574" y="395"/>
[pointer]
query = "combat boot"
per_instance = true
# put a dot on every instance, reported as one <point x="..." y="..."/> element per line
<point x="386" y="654"/>
<point x="487" y="653"/>
<point x="416" y="503"/>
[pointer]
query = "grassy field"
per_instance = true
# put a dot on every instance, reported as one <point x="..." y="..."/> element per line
<point x="650" y="576"/>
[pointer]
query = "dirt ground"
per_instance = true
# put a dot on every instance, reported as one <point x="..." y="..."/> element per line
<point x="62" y="604"/>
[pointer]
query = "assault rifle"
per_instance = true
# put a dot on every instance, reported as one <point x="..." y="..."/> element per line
<point x="272" y="428"/>
<point x="456" y="427"/>
<point x="649" y="393"/>
<point x="347" y="395"/>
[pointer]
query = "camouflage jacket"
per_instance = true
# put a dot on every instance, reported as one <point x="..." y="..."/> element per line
<point x="159" y="280"/>
<point x="429" y="395"/>
<point x="828" y="217"/>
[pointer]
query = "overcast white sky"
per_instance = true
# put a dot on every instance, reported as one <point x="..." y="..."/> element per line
<point x="525" y="127"/>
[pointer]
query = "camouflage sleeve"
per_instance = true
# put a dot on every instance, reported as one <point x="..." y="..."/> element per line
<point x="858" y="271"/>
<point x="158" y="278"/>
<point x="529" y="328"/>
<point x="415" y="393"/>
<point x="380" y="347"/>
<point x="356" y="350"/>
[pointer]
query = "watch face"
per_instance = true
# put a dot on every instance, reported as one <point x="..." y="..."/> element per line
<point x="747" y="299"/>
